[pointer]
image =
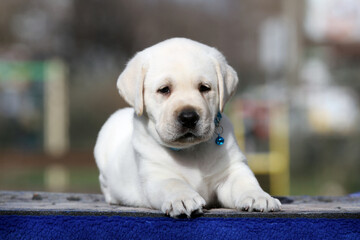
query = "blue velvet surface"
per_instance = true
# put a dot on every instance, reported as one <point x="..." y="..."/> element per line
<point x="117" y="227"/>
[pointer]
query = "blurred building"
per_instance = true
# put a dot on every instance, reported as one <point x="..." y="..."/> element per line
<point x="304" y="55"/>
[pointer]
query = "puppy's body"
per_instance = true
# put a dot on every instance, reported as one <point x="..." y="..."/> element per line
<point x="162" y="154"/>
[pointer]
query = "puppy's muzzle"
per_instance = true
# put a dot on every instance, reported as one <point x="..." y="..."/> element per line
<point x="188" y="118"/>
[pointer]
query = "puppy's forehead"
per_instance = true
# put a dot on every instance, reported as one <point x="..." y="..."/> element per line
<point x="177" y="63"/>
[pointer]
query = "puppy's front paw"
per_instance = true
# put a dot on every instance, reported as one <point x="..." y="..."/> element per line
<point x="257" y="200"/>
<point x="183" y="203"/>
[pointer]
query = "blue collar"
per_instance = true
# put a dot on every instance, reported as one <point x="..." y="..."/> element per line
<point x="175" y="149"/>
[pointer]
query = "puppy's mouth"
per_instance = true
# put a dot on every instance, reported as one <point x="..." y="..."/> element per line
<point x="187" y="136"/>
<point x="181" y="137"/>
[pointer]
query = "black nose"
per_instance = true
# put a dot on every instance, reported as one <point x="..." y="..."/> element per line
<point x="188" y="118"/>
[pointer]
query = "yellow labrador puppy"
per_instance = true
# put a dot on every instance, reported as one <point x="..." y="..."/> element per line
<point x="173" y="150"/>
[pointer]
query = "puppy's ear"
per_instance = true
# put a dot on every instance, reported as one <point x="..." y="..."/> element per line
<point x="227" y="79"/>
<point x="131" y="83"/>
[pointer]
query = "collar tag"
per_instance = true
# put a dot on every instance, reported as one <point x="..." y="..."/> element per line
<point x="219" y="130"/>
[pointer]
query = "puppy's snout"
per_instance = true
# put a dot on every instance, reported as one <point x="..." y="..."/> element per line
<point x="188" y="118"/>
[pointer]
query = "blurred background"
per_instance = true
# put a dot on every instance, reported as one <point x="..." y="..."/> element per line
<point x="296" y="113"/>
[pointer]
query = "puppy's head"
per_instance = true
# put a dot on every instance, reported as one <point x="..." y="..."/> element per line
<point x="181" y="85"/>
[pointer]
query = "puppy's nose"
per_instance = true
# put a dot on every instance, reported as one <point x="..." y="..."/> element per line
<point x="188" y="118"/>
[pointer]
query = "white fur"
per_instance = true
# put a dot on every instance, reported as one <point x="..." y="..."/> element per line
<point x="134" y="151"/>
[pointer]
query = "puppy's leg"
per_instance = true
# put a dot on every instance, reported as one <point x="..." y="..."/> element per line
<point x="241" y="190"/>
<point x="105" y="189"/>
<point x="174" y="197"/>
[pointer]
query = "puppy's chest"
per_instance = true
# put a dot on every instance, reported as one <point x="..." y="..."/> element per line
<point x="198" y="179"/>
<point x="200" y="173"/>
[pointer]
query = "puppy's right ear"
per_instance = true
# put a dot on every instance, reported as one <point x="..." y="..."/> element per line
<point x="131" y="83"/>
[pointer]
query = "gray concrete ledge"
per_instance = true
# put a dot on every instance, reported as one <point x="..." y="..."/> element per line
<point x="44" y="203"/>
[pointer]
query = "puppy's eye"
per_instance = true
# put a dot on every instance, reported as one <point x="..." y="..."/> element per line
<point x="204" y="88"/>
<point x="164" y="90"/>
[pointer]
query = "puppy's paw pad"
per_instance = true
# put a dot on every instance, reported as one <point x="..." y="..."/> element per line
<point x="183" y="206"/>
<point x="258" y="201"/>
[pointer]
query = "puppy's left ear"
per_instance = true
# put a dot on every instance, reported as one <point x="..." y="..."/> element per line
<point x="131" y="83"/>
<point x="227" y="79"/>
